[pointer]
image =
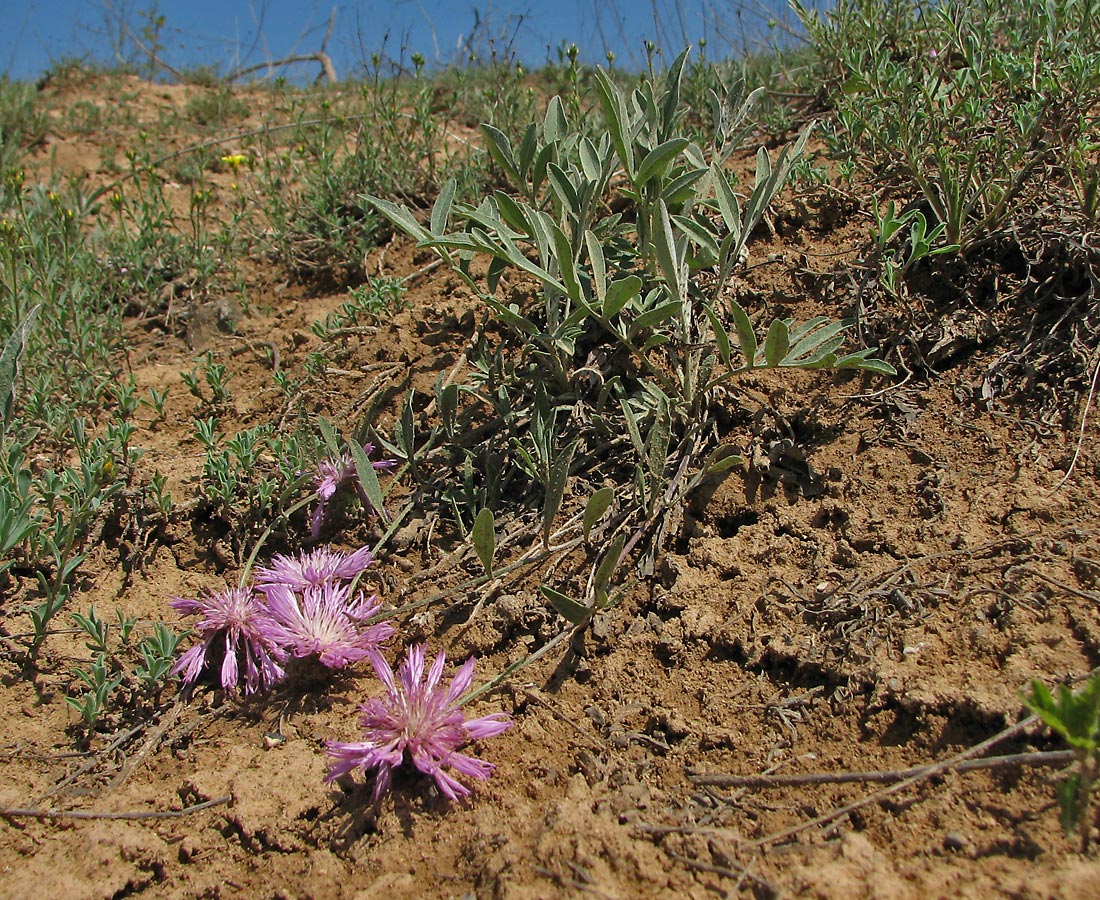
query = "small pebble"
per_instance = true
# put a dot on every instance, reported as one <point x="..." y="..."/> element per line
<point x="954" y="840"/>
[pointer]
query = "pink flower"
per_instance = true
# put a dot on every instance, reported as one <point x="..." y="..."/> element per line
<point x="418" y="720"/>
<point x="324" y="622"/>
<point x="313" y="569"/>
<point x="239" y="615"/>
<point x="336" y="473"/>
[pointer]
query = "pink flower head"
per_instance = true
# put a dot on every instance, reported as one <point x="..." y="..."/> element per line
<point x="313" y="569"/>
<point x="418" y="720"/>
<point x="324" y="622"/>
<point x="339" y="472"/>
<point x="239" y="615"/>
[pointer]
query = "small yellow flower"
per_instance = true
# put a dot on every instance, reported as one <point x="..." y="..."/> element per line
<point x="235" y="161"/>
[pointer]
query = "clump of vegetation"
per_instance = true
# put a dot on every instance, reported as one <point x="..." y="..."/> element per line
<point x="602" y="233"/>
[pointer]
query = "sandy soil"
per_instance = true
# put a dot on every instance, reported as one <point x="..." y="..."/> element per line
<point x="871" y="593"/>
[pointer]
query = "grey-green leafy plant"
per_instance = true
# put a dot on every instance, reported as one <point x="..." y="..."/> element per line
<point x="631" y="336"/>
<point x="976" y="107"/>
<point x="893" y="263"/>
<point x="1075" y="715"/>
<point x="100" y="683"/>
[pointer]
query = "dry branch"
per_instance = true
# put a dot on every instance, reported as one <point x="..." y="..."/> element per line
<point x="1048" y="758"/>
<point x="12" y="812"/>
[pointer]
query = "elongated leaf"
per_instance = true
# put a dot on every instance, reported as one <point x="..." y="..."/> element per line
<point x="722" y="458"/>
<point x="599" y="503"/>
<point x="698" y="234"/>
<point x="632" y="429"/>
<point x="564" y="253"/>
<point x="657" y="161"/>
<point x="619" y="294"/>
<point x="654" y="317"/>
<point x="538" y="171"/>
<point x="400" y="218"/>
<point x="563" y="187"/>
<point x="598" y="264"/>
<point x="670" y="106"/>
<point x="527" y="151"/>
<point x="860" y="360"/>
<point x="664" y="245"/>
<point x="496" y="270"/>
<point x="484" y="537"/>
<point x="555" y="490"/>
<point x="1068" y="791"/>
<point x="513" y="214"/>
<point x="555" y="126"/>
<point x="9" y="363"/>
<point x="802" y="329"/>
<point x="728" y="204"/>
<point x="615" y="114"/>
<point x="810" y="348"/>
<point x="500" y="149"/>
<point x="328" y="435"/>
<point x="601" y="581"/>
<point x="680" y="192"/>
<point x="368" y="478"/>
<point x="407" y="427"/>
<point x="590" y="160"/>
<point x="511" y="317"/>
<point x="777" y="343"/>
<point x="721" y="338"/>
<point x="441" y="211"/>
<point x="658" y="440"/>
<point x="569" y="609"/>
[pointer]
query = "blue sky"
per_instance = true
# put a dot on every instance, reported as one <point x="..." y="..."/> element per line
<point x="231" y="33"/>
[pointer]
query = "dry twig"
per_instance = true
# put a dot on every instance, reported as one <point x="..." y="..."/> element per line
<point x="1047" y="758"/>
<point x="13" y="812"/>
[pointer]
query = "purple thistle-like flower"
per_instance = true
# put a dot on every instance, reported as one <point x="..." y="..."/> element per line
<point x="313" y="569"/>
<point x="239" y="615"/>
<point x="324" y="621"/>
<point x="339" y="472"/>
<point x="420" y="720"/>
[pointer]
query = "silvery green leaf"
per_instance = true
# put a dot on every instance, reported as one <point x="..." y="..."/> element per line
<point x="328" y="435"/>
<point x="599" y="503"/>
<point x="9" y="362"/>
<point x="722" y="458"/>
<point x="555" y="126"/>
<point x="569" y="609"/>
<point x="599" y="266"/>
<point x="657" y="161"/>
<point x="564" y="253"/>
<point x="400" y="218"/>
<point x="563" y="187"/>
<point x="590" y="160"/>
<point x="527" y="151"/>
<point x="484" y="539"/>
<point x="601" y="581"/>
<point x="441" y="211"/>
<point x="653" y="317"/>
<point x="619" y="293"/>
<point x="368" y="479"/>
<point x="777" y="343"/>
<point x="513" y="213"/>
<point x="555" y="489"/>
<point x="500" y="149"/>
<point x="860" y="359"/>
<point x="615" y="114"/>
<point x="679" y="193"/>
<point x="664" y="246"/>
<point x="721" y="338"/>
